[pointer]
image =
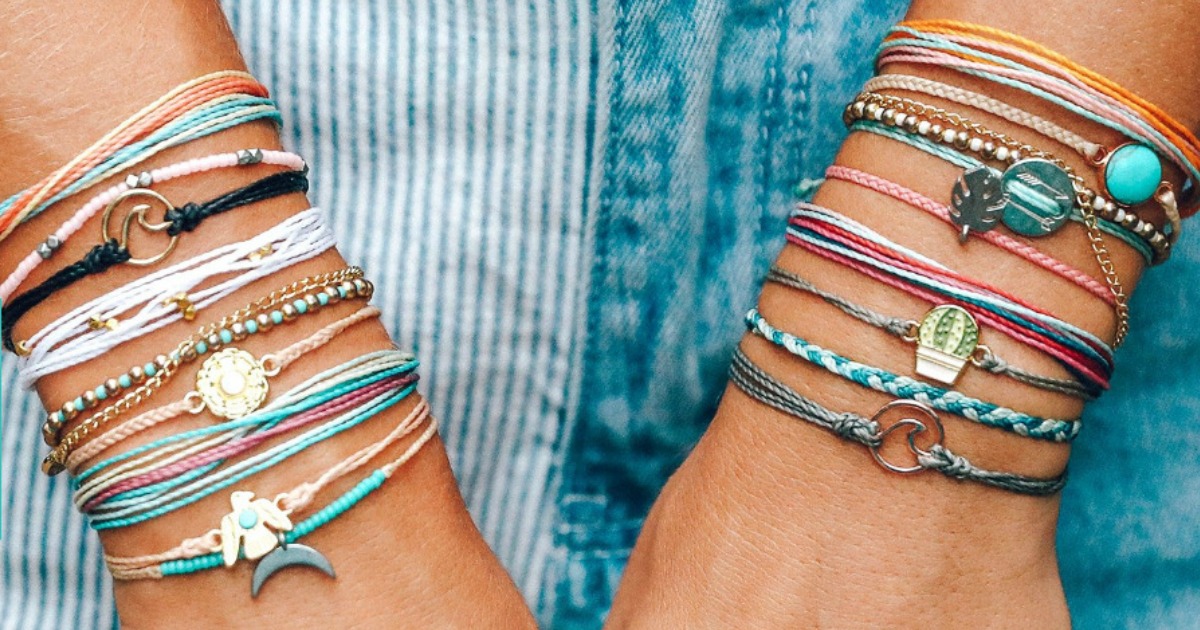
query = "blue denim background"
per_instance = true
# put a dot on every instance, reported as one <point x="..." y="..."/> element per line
<point x="718" y="109"/>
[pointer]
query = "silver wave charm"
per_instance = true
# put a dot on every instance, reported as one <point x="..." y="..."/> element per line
<point x="977" y="201"/>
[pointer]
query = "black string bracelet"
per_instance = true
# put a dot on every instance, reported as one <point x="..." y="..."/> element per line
<point x="112" y="252"/>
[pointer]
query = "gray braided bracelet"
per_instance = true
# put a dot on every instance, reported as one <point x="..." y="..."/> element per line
<point x="764" y="388"/>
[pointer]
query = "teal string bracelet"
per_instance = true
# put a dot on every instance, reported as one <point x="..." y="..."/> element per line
<point x="903" y="387"/>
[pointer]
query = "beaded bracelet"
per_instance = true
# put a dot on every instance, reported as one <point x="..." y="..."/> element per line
<point x="880" y="380"/>
<point x="1055" y="180"/>
<point x="191" y="101"/>
<point x="177" y="220"/>
<point x="170" y="295"/>
<point x="222" y="546"/>
<point x="261" y="315"/>
<point x="53" y="243"/>
<point x="1129" y="173"/>
<point x="762" y="387"/>
<point x="1009" y="60"/>
<point x="230" y="384"/>
<point x="851" y="244"/>
<point x="947" y="339"/>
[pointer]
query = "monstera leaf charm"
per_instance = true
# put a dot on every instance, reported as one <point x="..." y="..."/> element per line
<point x="978" y="200"/>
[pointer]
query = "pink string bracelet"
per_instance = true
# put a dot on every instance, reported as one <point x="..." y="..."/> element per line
<point x="1003" y="241"/>
<point x="144" y="180"/>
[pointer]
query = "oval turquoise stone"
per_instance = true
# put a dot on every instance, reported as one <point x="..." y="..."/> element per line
<point x="322" y="299"/>
<point x="1132" y="174"/>
<point x="150" y="369"/>
<point x="124" y="381"/>
<point x="226" y="336"/>
<point x="301" y="306"/>
<point x="251" y="326"/>
<point x="201" y="347"/>
<point x="101" y="393"/>
<point x="247" y="518"/>
<point x="277" y="317"/>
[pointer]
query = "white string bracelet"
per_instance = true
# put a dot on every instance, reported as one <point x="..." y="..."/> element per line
<point x="169" y="295"/>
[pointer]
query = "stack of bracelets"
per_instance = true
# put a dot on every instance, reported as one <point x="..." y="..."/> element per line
<point x="1008" y="193"/>
<point x="119" y="483"/>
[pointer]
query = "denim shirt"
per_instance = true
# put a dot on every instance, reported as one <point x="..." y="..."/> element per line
<point x="566" y="207"/>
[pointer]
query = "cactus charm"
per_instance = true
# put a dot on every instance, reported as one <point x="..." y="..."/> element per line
<point x="946" y="339"/>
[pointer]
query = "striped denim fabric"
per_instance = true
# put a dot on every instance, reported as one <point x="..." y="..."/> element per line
<point x="566" y="207"/>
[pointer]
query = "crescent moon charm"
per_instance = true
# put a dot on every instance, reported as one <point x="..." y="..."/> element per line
<point x="286" y="556"/>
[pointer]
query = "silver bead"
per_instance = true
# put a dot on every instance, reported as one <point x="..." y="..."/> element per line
<point x="975" y="145"/>
<point x="989" y="150"/>
<point x="44" y="251"/>
<point x="949" y="136"/>
<point x="249" y="156"/>
<point x="239" y="331"/>
<point x="348" y="288"/>
<point x="858" y="109"/>
<point x="161" y="361"/>
<point x="923" y="127"/>
<point x="1002" y="154"/>
<point x="264" y="322"/>
<point x="189" y="354"/>
<point x="889" y="116"/>
<point x="1119" y="216"/>
<point x="900" y="119"/>
<point x="112" y="386"/>
<point x="214" y="341"/>
<point x="1015" y="156"/>
<point x="89" y="399"/>
<point x="311" y="301"/>
<point x="137" y="374"/>
<point x="289" y="312"/>
<point x="935" y="131"/>
<point x="962" y="140"/>
<point x="1158" y="240"/>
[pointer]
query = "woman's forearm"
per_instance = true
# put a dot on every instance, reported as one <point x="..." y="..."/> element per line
<point x="773" y="522"/>
<point x="409" y="554"/>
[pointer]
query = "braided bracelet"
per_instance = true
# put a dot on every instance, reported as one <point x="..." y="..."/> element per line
<point x="917" y="419"/>
<point x="170" y="295"/>
<point x="995" y="237"/>
<point x="48" y="248"/>
<point x="947" y="339"/>
<point x="880" y="380"/>
<point x="222" y="546"/>
<point x="114" y="251"/>
<point x="258" y="316"/>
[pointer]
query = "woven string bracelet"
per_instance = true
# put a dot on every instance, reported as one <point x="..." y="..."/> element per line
<point x="193" y="403"/>
<point x="188" y="489"/>
<point x="53" y="243"/>
<point x="170" y="295"/>
<point x="918" y="419"/>
<point x="851" y="244"/>
<point x="114" y="251"/>
<point x="203" y="553"/>
<point x="1016" y="247"/>
<point x="909" y="330"/>
<point x="880" y="380"/>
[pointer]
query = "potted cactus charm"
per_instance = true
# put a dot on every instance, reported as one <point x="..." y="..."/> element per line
<point x="946" y="339"/>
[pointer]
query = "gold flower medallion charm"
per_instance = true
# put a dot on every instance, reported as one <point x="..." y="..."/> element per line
<point x="232" y="383"/>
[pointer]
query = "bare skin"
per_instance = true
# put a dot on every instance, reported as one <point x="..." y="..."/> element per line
<point x="409" y="555"/>
<point x="775" y="523"/>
